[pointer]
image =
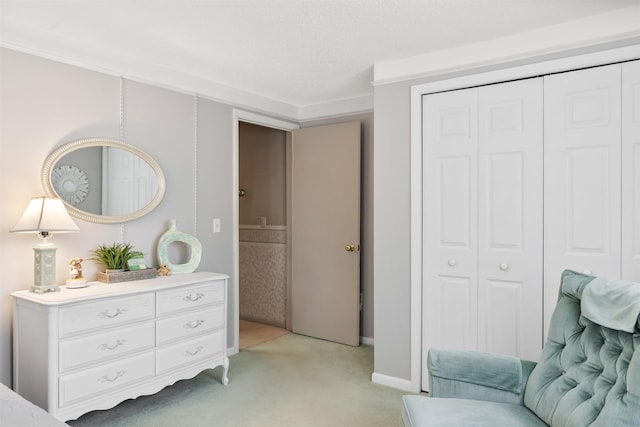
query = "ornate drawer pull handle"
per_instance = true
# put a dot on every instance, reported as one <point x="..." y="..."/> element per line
<point x="193" y="353"/>
<point x="111" y="347"/>
<point x="504" y="266"/>
<point x="192" y="298"/>
<point x="105" y="378"/>
<point x="452" y="262"/>
<point x="109" y="315"/>
<point x="193" y="324"/>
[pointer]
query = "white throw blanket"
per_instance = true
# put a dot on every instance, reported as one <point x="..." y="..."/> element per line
<point x="612" y="303"/>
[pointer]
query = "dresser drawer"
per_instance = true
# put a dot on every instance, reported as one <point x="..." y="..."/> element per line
<point x="101" y="379"/>
<point x="195" y="322"/>
<point x="189" y="297"/>
<point x="183" y="353"/>
<point x="87" y="349"/>
<point x="106" y="313"/>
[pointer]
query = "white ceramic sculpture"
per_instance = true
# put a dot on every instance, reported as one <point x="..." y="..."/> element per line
<point x="175" y="235"/>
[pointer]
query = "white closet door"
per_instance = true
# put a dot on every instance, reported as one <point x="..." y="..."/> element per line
<point x="631" y="171"/>
<point x="450" y="221"/>
<point x="510" y="219"/>
<point x="582" y="176"/>
<point x="130" y="182"/>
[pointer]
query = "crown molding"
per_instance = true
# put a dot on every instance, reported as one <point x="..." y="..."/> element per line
<point x="597" y="33"/>
<point x="132" y="69"/>
<point x="342" y="107"/>
<point x="117" y="64"/>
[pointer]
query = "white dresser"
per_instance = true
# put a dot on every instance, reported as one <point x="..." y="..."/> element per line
<point x="80" y="350"/>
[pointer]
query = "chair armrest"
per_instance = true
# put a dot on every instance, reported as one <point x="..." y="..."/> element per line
<point x="479" y="376"/>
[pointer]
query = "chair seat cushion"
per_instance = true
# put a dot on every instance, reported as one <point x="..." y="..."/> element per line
<point x="420" y="411"/>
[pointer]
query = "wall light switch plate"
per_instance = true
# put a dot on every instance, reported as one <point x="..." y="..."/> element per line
<point x="216" y="225"/>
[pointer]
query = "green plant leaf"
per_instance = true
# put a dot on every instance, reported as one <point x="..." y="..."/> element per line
<point x="114" y="256"/>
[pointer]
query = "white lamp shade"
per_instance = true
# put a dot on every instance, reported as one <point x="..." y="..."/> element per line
<point x="45" y="214"/>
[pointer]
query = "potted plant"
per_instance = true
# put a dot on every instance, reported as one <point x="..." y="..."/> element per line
<point x="115" y="256"/>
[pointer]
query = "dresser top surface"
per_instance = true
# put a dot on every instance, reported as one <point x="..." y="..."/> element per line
<point x="95" y="290"/>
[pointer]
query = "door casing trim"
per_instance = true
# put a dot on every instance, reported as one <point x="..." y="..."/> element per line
<point x="262" y="120"/>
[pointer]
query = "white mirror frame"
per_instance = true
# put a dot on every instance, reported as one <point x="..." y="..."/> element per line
<point x="53" y="158"/>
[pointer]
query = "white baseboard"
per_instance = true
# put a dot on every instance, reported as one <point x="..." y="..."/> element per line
<point x="366" y="341"/>
<point x="394" y="382"/>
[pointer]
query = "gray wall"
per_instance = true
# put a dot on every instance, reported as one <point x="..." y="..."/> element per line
<point x="391" y="266"/>
<point x="88" y="160"/>
<point x="391" y="200"/>
<point x="44" y="104"/>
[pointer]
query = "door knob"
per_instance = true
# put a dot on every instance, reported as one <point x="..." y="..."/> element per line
<point x="350" y="248"/>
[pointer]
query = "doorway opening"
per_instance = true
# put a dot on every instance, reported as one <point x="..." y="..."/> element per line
<point x="322" y="290"/>
<point x="260" y="288"/>
<point x="262" y="206"/>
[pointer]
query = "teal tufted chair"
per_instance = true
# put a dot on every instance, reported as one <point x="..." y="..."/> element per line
<point x="588" y="374"/>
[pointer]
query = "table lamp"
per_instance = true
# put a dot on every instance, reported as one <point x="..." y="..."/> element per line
<point x="45" y="216"/>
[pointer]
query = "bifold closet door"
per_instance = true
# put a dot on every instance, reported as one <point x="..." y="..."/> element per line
<point x="631" y="171"/>
<point x="582" y="182"/>
<point x="482" y="219"/>
<point x="510" y="184"/>
<point x="450" y="221"/>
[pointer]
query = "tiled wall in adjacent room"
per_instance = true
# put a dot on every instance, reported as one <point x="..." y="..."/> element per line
<point x="263" y="275"/>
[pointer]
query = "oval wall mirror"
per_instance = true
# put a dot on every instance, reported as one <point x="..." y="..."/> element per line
<point x="104" y="180"/>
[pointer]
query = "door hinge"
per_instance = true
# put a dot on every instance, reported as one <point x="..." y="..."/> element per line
<point x="361" y="300"/>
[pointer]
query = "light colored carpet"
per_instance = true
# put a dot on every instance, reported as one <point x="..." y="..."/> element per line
<point x="290" y="381"/>
<point x="252" y="333"/>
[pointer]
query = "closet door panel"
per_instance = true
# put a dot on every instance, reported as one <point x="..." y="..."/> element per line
<point x="582" y="182"/>
<point x="504" y="318"/>
<point x="631" y="171"/>
<point x="452" y="184"/>
<point x="510" y="219"/>
<point x="450" y="220"/>
<point x="452" y="330"/>
<point x="588" y="192"/>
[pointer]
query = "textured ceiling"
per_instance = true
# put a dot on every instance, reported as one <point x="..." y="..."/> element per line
<point x="295" y="52"/>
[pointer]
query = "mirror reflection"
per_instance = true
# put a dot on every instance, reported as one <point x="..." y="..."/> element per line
<point x="104" y="180"/>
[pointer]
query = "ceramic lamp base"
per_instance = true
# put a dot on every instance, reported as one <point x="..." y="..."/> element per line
<point x="43" y="289"/>
<point x="44" y="269"/>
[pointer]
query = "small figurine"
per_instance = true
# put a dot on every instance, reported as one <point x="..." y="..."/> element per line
<point x="164" y="270"/>
<point x="76" y="280"/>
